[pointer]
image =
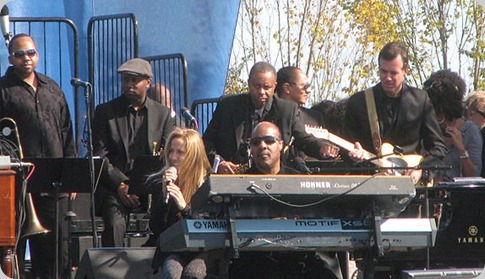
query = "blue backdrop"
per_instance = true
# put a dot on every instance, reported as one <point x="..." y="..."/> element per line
<point x="202" y="30"/>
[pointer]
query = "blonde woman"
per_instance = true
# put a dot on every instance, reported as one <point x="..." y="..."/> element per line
<point x="475" y="111"/>
<point x="186" y="169"/>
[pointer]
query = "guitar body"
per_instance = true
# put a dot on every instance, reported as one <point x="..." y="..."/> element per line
<point x="394" y="160"/>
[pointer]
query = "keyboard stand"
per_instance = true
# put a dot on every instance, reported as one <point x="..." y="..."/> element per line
<point x="234" y="241"/>
<point x="379" y="249"/>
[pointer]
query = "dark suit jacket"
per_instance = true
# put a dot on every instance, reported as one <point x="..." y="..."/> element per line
<point x="110" y="133"/>
<point x="416" y="127"/>
<point x="225" y="132"/>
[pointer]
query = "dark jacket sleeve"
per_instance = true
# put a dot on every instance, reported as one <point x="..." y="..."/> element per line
<point x="291" y="125"/>
<point x="103" y="145"/>
<point x="221" y="136"/>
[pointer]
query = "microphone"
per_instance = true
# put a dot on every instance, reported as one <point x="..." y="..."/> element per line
<point x="301" y="165"/>
<point x="5" y="24"/>
<point x="77" y="82"/>
<point x="187" y="115"/>
<point x="167" y="182"/>
<point x="6" y="131"/>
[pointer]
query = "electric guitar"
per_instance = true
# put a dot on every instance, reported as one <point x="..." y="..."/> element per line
<point x="388" y="160"/>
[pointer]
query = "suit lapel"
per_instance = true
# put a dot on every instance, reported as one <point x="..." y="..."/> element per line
<point x="240" y="118"/>
<point x="271" y="110"/>
<point x="122" y="124"/>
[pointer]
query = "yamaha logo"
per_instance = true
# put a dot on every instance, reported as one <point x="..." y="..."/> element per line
<point x="473" y="230"/>
<point x="197" y="225"/>
<point x="472" y="238"/>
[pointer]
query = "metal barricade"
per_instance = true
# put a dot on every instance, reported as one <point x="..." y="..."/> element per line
<point x="112" y="40"/>
<point x="169" y="85"/>
<point x="202" y="110"/>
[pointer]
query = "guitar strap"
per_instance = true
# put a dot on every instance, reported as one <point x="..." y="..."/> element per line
<point x="373" y="119"/>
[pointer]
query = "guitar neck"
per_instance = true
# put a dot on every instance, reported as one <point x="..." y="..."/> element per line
<point x="347" y="145"/>
<point x="321" y="133"/>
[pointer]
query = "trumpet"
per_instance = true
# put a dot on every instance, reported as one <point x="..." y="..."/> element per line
<point x="10" y="144"/>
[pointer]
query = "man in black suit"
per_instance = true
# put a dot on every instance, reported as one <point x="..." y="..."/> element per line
<point x="235" y="116"/>
<point x="405" y="114"/>
<point x="125" y="128"/>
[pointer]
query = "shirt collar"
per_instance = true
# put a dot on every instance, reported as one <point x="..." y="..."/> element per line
<point x="10" y="74"/>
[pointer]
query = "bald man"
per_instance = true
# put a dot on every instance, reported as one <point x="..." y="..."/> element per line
<point x="266" y="148"/>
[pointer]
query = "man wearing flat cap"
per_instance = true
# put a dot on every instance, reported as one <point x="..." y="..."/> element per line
<point x="125" y="128"/>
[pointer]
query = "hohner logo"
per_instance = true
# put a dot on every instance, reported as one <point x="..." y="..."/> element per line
<point x="315" y="184"/>
<point x="324" y="185"/>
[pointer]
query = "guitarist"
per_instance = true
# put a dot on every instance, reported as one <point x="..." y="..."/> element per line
<point x="405" y="114"/>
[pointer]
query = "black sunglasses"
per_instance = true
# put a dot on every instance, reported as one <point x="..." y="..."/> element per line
<point x="21" y="53"/>
<point x="269" y="140"/>
<point x="303" y="86"/>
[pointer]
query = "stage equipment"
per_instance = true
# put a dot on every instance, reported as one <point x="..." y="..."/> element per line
<point x="302" y="196"/>
<point x="114" y="263"/>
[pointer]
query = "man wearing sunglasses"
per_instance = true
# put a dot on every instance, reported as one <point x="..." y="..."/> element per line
<point x="293" y="85"/>
<point x="266" y="148"/>
<point x="39" y="108"/>
<point x="235" y="117"/>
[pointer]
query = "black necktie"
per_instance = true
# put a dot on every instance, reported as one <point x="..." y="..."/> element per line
<point x="255" y="118"/>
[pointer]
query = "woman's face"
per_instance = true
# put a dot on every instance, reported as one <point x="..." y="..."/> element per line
<point x="177" y="152"/>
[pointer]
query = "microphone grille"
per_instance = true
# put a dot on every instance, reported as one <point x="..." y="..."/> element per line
<point x="4" y="11"/>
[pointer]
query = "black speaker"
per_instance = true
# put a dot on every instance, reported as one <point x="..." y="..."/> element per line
<point x="457" y="273"/>
<point x="111" y="263"/>
<point x="80" y="243"/>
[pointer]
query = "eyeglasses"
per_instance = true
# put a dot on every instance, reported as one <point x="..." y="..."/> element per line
<point x="473" y="111"/>
<point x="269" y="140"/>
<point x="303" y="86"/>
<point x="22" y="53"/>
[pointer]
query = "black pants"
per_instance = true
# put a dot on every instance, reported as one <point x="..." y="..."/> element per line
<point x="115" y="218"/>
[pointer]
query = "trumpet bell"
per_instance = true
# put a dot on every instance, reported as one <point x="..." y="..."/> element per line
<point x="33" y="224"/>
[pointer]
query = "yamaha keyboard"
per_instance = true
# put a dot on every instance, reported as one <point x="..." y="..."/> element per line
<point x="297" y="235"/>
<point x="302" y="196"/>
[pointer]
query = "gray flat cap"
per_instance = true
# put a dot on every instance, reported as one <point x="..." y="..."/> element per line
<point x="137" y="67"/>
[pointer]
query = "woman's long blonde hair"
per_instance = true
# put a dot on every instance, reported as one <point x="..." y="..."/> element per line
<point x="193" y="169"/>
